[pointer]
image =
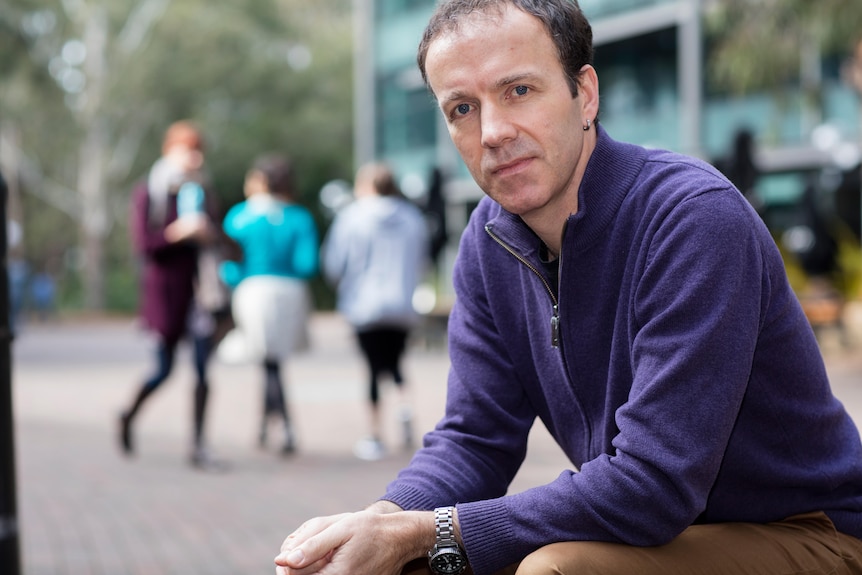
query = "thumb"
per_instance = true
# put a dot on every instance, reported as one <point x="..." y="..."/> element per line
<point x="315" y="550"/>
<point x="293" y="558"/>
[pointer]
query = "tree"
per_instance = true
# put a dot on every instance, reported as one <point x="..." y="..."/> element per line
<point x="88" y="87"/>
<point x="765" y="45"/>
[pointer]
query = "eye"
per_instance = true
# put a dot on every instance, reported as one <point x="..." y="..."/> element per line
<point x="521" y="90"/>
<point x="462" y="109"/>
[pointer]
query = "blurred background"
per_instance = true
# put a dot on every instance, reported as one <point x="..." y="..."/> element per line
<point x="770" y="91"/>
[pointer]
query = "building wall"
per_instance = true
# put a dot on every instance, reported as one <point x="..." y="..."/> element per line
<point x="649" y="61"/>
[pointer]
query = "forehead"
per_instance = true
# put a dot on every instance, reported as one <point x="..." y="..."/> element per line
<point x="488" y="44"/>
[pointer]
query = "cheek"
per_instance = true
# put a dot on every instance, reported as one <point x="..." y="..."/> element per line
<point x="564" y="141"/>
<point x="468" y="145"/>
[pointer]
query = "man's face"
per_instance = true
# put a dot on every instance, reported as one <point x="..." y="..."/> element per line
<point x="510" y="112"/>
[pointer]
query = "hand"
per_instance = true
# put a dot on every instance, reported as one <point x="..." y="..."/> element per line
<point x="189" y="228"/>
<point x="362" y="543"/>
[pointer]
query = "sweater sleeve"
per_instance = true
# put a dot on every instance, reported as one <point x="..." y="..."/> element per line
<point x="477" y="448"/>
<point x="148" y="240"/>
<point x="334" y="249"/>
<point x="305" y="256"/>
<point x="233" y="272"/>
<point x="693" y="326"/>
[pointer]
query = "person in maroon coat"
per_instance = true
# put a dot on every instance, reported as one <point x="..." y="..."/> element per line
<point x="169" y="242"/>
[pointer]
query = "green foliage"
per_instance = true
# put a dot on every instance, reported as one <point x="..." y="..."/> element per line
<point x="760" y="44"/>
<point x="256" y="75"/>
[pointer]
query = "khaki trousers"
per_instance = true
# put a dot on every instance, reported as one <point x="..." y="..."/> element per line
<point x="805" y="544"/>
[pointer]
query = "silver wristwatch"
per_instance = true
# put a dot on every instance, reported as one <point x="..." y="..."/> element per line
<point x="446" y="557"/>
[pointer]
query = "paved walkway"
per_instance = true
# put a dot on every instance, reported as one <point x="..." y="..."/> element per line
<point x="85" y="510"/>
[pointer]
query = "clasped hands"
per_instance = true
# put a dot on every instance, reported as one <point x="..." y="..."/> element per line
<point x="377" y="541"/>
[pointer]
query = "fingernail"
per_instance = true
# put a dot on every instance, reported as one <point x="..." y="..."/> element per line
<point x="296" y="557"/>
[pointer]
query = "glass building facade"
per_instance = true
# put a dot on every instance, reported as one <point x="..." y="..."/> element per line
<point x="650" y="59"/>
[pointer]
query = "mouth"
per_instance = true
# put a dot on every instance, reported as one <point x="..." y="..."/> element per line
<point x="512" y="167"/>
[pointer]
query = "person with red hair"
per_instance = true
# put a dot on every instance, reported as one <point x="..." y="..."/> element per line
<point x="170" y="247"/>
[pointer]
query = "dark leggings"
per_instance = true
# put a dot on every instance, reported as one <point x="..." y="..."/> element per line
<point x="165" y="353"/>
<point x="382" y="348"/>
<point x="273" y="396"/>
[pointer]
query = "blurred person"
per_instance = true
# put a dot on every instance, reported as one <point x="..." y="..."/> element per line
<point x="632" y="300"/>
<point x="17" y="270"/>
<point x="18" y="273"/>
<point x="43" y="292"/>
<point x="375" y="253"/>
<point x="169" y="248"/>
<point x="740" y="168"/>
<point x="271" y="300"/>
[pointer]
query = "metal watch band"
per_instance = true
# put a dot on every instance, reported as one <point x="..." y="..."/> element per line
<point x="445" y="526"/>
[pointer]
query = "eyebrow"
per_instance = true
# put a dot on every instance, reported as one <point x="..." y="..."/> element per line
<point x="456" y="95"/>
<point x="502" y="82"/>
<point x="513" y="79"/>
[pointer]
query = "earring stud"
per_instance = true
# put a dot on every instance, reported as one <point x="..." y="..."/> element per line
<point x="587" y="126"/>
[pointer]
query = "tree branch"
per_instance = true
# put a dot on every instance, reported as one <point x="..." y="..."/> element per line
<point x="139" y="24"/>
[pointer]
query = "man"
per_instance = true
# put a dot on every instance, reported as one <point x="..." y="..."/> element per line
<point x="634" y="302"/>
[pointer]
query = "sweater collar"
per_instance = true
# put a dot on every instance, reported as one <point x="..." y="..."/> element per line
<point x="611" y="172"/>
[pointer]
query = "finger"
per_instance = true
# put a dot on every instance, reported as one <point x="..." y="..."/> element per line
<point x="314" y="551"/>
<point x="290" y="542"/>
<point x="309" y="529"/>
<point x="293" y="558"/>
<point x="308" y="569"/>
<point x="306" y="530"/>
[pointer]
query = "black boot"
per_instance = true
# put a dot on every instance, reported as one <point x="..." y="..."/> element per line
<point x="126" y="418"/>
<point x="201" y="457"/>
<point x="200" y="406"/>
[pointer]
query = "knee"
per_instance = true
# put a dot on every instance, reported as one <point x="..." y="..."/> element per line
<point x="157" y="379"/>
<point x="573" y="557"/>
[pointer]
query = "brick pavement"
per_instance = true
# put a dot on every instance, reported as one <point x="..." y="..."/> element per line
<point x="83" y="509"/>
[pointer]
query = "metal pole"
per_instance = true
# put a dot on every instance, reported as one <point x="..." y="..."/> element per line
<point x="9" y="548"/>
<point x="364" y="83"/>
<point x="690" y="63"/>
<point x="856" y="79"/>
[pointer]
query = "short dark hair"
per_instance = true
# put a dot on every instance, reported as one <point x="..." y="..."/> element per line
<point x="381" y="178"/>
<point x="278" y="172"/>
<point x="569" y="29"/>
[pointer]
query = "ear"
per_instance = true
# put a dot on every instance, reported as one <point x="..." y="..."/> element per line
<point x="588" y="92"/>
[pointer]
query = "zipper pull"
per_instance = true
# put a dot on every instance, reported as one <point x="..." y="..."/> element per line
<point x="555" y="328"/>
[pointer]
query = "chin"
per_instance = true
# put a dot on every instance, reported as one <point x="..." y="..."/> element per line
<point x="514" y="203"/>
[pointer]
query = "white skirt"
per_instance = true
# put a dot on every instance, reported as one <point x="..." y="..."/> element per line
<point x="271" y="317"/>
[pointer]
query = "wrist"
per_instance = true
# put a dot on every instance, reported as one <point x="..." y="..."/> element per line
<point x="446" y="556"/>
<point x="383" y="506"/>
<point x="410" y="533"/>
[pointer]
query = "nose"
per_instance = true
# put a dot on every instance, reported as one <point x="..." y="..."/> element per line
<point x="497" y="126"/>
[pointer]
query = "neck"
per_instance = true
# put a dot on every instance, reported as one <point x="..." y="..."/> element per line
<point x="550" y="222"/>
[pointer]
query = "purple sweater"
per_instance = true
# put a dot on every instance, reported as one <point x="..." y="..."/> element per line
<point x="687" y="386"/>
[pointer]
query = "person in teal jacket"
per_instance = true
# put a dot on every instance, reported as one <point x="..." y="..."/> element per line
<point x="270" y="300"/>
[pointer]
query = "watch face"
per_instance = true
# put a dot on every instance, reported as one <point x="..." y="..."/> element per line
<point x="448" y="561"/>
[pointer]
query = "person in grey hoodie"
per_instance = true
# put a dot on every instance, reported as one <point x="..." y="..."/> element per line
<point x="375" y="254"/>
